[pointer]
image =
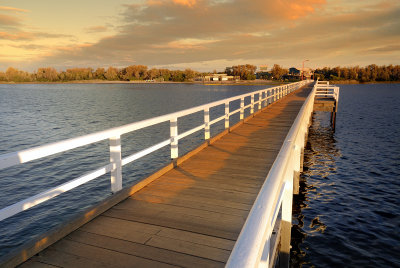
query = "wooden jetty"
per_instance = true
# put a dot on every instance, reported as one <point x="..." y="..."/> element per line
<point x="190" y="213"/>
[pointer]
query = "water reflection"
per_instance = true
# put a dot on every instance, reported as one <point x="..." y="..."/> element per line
<point x="320" y="157"/>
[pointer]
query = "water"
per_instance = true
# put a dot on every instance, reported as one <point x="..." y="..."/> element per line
<point x="33" y="115"/>
<point x="348" y="212"/>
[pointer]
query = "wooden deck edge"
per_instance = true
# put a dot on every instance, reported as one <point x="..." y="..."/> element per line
<point x="35" y="246"/>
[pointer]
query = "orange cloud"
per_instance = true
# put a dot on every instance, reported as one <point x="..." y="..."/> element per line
<point x="17" y="36"/>
<point x="188" y="3"/>
<point x="293" y="10"/>
<point x="189" y="43"/>
<point x="13" y="9"/>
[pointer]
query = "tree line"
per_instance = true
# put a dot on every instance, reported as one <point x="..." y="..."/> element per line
<point x="370" y="73"/>
<point x="130" y="73"/>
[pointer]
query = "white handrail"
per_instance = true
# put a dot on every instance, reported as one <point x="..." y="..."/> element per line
<point x="114" y="136"/>
<point x="252" y="249"/>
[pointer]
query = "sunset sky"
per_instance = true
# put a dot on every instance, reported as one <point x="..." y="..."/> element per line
<point x="199" y="34"/>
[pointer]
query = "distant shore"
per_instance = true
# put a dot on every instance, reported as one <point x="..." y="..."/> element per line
<point x="241" y="82"/>
<point x="213" y="83"/>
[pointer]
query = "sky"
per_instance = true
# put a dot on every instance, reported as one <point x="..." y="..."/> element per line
<point x="200" y="34"/>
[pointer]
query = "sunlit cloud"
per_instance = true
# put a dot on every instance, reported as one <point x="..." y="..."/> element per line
<point x="6" y="20"/>
<point x="189" y="3"/>
<point x="16" y="36"/>
<point x="3" y="8"/>
<point x="96" y="29"/>
<point x="189" y="43"/>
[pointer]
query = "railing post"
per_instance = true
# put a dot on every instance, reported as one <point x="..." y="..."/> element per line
<point x="286" y="216"/>
<point x="266" y="98"/>
<point x="226" y="115"/>
<point x="174" y="137"/>
<point x="241" y="108"/>
<point x="259" y="100"/>
<point x="207" y="123"/>
<point x="252" y="104"/>
<point x="297" y="164"/>
<point x="116" y="161"/>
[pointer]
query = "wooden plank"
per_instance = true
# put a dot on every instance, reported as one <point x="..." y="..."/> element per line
<point x="158" y="209"/>
<point x="197" y="238"/>
<point x="61" y="259"/>
<point x="36" y="264"/>
<point x="218" y="225"/>
<point x="127" y="230"/>
<point x="190" y="203"/>
<point x="161" y="254"/>
<point x="198" y="199"/>
<point x="221" y="194"/>
<point x="207" y="184"/>
<point x="99" y="256"/>
<point x="185" y="174"/>
<point x="216" y="254"/>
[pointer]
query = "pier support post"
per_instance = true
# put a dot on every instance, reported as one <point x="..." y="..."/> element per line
<point x="116" y="161"/>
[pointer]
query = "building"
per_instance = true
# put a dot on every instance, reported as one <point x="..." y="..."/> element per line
<point x="220" y="77"/>
<point x="296" y="73"/>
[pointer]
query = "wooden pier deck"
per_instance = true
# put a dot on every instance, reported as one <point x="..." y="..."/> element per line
<point x="192" y="215"/>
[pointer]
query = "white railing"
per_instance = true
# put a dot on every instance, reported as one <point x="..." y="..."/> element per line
<point x="265" y="97"/>
<point x="324" y="90"/>
<point x="254" y="246"/>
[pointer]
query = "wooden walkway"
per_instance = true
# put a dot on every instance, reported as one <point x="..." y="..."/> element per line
<point x="193" y="214"/>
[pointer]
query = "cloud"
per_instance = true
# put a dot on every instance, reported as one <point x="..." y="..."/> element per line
<point x="16" y="36"/>
<point x="389" y="48"/>
<point x="189" y="3"/>
<point x="96" y="29"/>
<point x="7" y="21"/>
<point x="4" y="8"/>
<point x="24" y="36"/>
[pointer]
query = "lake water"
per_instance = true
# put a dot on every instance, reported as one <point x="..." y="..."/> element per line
<point x="37" y="114"/>
<point x="348" y="212"/>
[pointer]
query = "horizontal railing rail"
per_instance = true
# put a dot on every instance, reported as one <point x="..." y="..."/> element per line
<point x="265" y="97"/>
<point x="254" y="245"/>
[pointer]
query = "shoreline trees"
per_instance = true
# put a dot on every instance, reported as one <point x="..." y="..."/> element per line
<point x="370" y="73"/>
<point x="130" y="73"/>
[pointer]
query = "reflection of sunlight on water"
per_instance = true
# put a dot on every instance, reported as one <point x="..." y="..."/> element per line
<point x="315" y="184"/>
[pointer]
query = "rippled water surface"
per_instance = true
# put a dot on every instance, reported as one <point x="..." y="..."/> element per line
<point x="33" y="115"/>
<point x="348" y="212"/>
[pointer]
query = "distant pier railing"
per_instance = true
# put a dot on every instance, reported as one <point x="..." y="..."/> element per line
<point x="264" y="97"/>
<point x="324" y="90"/>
